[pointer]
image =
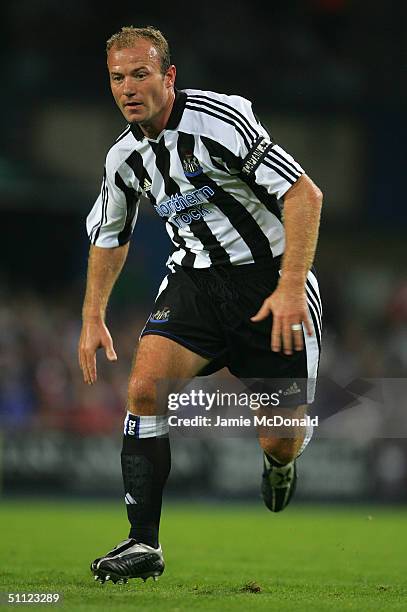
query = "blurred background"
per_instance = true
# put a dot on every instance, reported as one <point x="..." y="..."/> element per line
<point x="328" y="79"/>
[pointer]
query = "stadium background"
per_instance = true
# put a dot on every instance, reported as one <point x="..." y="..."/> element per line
<point x="326" y="77"/>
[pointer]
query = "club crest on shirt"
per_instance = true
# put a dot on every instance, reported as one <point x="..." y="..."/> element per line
<point x="161" y="316"/>
<point x="191" y="165"/>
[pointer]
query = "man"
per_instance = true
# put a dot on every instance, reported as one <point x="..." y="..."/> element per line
<point x="237" y="274"/>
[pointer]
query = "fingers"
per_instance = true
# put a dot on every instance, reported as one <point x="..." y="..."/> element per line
<point x="297" y="336"/>
<point x="287" y="339"/>
<point x="283" y="337"/>
<point x="87" y="363"/>
<point x="91" y="339"/>
<point x="307" y="324"/>
<point x="110" y="352"/>
<point x="276" y="334"/>
<point x="263" y="313"/>
<point x="91" y="374"/>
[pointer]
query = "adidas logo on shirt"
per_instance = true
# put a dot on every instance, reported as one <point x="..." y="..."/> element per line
<point x="146" y="185"/>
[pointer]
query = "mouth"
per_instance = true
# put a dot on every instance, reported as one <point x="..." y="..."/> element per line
<point x="133" y="105"/>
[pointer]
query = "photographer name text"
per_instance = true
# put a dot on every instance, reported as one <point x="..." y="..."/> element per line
<point x="255" y="420"/>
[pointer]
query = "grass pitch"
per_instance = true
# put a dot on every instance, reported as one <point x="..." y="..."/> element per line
<point x="219" y="557"/>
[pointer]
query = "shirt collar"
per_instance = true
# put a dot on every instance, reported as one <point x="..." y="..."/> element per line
<point x="173" y="120"/>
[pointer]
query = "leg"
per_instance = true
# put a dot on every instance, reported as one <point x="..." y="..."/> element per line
<point x="159" y="359"/>
<point x="146" y="458"/>
<point x="281" y="447"/>
<point x="283" y="444"/>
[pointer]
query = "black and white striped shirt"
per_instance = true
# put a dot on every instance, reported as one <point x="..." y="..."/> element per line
<point x="213" y="175"/>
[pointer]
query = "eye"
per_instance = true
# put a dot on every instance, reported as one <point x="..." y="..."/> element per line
<point x="116" y="78"/>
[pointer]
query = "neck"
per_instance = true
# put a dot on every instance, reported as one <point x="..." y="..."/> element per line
<point x="151" y="130"/>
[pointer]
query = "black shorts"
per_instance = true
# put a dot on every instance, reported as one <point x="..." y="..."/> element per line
<point x="208" y="311"/>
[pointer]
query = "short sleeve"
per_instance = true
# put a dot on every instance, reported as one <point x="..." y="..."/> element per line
<point x="269" y="165"/>
<point x="111" y="221"/>
<point x="265" y="162"/>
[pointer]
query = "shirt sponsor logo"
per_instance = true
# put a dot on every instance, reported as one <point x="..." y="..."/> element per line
<point x="193" y="203"/>
<point x="179" y="202"/>
<point x="194" y="214"/>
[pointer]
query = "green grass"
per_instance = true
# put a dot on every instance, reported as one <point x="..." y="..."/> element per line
<point x="303" y="559"/>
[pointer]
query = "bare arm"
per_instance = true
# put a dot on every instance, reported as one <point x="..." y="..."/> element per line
<point x="288" y="303"/>
<point x="104" y="267"/>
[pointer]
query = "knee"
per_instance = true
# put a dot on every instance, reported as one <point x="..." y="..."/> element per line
<point x="142" y="397"/>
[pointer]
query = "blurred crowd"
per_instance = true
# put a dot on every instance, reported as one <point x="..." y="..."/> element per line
<point x="40" y="381"/>
<point x="41" y="384"/>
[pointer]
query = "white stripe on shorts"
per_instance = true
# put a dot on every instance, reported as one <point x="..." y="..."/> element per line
<point x="311" y="342"/>
<point x="161" y="288"/>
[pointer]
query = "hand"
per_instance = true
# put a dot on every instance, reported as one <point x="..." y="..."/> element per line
<point x="94" y="335"/>
<point x="288" y="307"/>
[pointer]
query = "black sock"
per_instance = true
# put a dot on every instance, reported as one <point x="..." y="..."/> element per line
<point x="146" y="463"/>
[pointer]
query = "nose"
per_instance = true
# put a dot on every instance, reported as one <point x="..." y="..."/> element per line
<point x="129" y="89"/>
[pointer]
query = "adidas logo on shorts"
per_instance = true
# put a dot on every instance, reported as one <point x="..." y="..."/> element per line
<point x="292" y="389"/>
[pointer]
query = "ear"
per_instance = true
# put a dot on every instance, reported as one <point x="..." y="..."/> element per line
<point x="170" y="76"/>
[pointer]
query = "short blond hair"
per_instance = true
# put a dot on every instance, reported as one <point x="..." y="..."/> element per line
<point x="128" y="35"/>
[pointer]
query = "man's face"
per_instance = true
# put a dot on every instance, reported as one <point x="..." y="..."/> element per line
<point x="140" y="89"/>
